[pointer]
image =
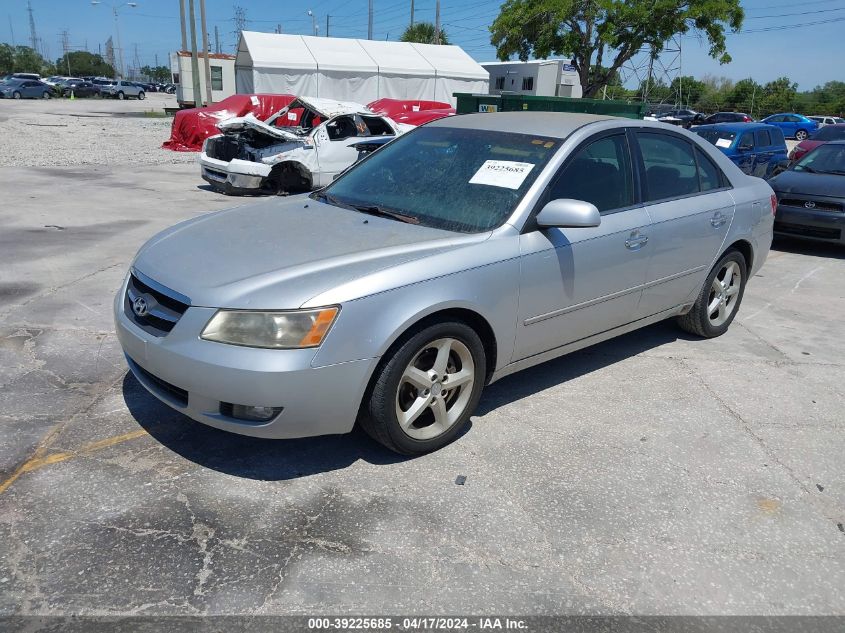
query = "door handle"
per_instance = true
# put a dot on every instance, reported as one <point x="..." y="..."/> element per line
<point x="636" y="241"/>
<point x="718" y="220"/>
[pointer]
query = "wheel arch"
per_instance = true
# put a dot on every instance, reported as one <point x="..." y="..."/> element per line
<point x="744" y="247"/>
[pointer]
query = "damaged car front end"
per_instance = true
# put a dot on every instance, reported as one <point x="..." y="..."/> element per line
<point x="301" y="147"/>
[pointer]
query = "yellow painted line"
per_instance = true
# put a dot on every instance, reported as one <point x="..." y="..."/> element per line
<point x="38" y="460"/>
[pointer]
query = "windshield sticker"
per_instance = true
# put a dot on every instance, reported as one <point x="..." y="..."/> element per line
<point x="723" y="142"/>
<point x="502" y="173"/>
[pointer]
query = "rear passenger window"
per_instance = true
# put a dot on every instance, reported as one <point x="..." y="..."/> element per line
<point x="599" y="173"/>
<point x="709" y="176"/>
<point x="762" y="138"/>
<point x="670" y="167"/>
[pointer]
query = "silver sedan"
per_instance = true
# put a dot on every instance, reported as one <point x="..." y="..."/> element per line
<point x="462" y="252"/>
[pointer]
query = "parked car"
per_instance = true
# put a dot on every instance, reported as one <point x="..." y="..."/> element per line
<point x="824" y="134"/>
<point x="25" y="76"/>
<point x="755" y="148"/>
<point x="453" y="256"/>
<point x="79" y="88"/>
<point x="122" y="89"/>
<point x="684" y="118"/>
<point x="55" y="80"/>
<point x="827" y="120"/>
<point x="811" y="195"/>
<point x="727" y="117"/>
<point x="794" y="126"/>
<point x="25" y="89"/>
<point x="301" y="147"/>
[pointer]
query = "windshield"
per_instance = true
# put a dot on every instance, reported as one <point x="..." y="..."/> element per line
<point x="830" y="133"/>
<point x="825" y="159"/>
<point x="719" y="138"/>
<point x="447" y="178"/>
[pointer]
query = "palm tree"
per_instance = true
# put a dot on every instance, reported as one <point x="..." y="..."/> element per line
<point x="423" y="33"/>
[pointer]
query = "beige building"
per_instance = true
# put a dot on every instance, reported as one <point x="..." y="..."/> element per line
<point x="222" y="77"/>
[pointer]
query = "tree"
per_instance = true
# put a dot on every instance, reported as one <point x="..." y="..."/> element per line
<point x="22" y="59"/>
<point x="160" y="74"/>
<point x="745" y="96"/>
<point x="83" y="63"/>
<point x="423" y="33"/>
<point x="588" y="30"/>
<point x="779" y="95"/>
<point x="689" y="90"/>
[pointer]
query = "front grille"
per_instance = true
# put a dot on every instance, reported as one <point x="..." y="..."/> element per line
<point x="163" y="309"/>
<point x="179" y="395"/>
<point x="808" y="231"/>
<point x="223" y="148"/>
<point x="820" y="205"/>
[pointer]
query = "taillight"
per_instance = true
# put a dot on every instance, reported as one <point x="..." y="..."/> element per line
<point x="746" y="119"/>
<point x="774" y="200"/>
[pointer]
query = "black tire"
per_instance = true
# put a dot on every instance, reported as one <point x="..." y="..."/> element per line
<point x="46" y="95"/>
<point x="141" y="96"/>
<point x="16" y="95"/>
<point x="697" y="320"/>
<point x="801" y="135"/>
<point x="378" y="413"/>
<point x="121" y="96"/>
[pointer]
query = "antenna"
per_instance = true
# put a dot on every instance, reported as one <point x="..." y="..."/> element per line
<point x="33" y="35"/>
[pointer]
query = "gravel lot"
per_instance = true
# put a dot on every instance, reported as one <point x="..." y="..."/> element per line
<point x="61" y="132"/>
<point x="653" y="474"/>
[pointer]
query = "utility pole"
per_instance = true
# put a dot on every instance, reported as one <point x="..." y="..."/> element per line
<point x="412" y="12"/>
<point x="216" y="40"/>
<point x="182" y="18"/>
<point x="66" y="50"/>
<point x="33" y="36"/>
<point x="437" y="23"/>
<point x="327" y="24"/>
<point x="205" y="53"/>
<point x="195" y="67"/>
<point x="12" y="30"/>
<point x="370" y="21"/>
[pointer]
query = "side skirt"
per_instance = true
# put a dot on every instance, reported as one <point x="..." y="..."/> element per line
<point x="574" y="346"/>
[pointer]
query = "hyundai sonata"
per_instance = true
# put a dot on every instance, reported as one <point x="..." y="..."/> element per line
<point x="461" y="252"/>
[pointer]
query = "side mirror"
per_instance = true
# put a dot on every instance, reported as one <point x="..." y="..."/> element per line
<point x="568" y="213"/>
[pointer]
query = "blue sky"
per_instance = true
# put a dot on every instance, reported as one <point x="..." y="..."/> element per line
<point x="804" y="40"/>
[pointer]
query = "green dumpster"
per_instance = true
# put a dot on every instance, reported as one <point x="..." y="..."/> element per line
<point x="468" y="103"/>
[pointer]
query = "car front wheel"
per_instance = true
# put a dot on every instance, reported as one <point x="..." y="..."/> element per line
<point x="801" y="135"/>
<point x="16" y="95"/>
<point x="141" y="96"/>
<point x="46" y="95"/>
<point x="427" y="390"/>
<point x="121" y="96"/>
<point x="717" y="303"/>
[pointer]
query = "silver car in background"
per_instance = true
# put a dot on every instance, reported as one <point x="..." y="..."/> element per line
<point x="455" y="255"/>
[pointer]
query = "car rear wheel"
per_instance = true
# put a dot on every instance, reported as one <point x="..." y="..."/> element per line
<point x="801" y="135"/>
<point x="427" y="389"/>
<point x="141" y="96"/>
<point x="16" y="95"/>
<point x="718" y="302"/>
<point x="121" y="96"/>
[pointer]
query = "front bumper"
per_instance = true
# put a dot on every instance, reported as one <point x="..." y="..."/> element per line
<point x="233" y="175"/>
<point x="198" y="378"/>
<point x="824" y="226"/>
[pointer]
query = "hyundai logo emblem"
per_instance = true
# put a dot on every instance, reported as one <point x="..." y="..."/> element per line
<point x="810" y="204"/>
<point x="140" y="307"/>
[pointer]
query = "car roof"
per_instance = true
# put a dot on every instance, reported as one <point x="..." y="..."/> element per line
<point x="735" y="127"/>
<point x="552" y="124"/>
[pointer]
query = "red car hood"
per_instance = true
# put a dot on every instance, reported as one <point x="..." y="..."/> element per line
<point x="803" y="147"/>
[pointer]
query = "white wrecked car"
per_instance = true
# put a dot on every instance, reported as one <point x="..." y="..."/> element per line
<point x="312" y="145"/>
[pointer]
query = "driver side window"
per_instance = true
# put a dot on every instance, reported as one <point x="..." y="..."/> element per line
<point x="341" y="128"/>
<point x="599" y="173"/>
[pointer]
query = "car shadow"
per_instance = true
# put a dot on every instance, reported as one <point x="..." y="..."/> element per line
<point x="249" y="457"/>
<point x="278" y="460"/>
<point x="805" y="247"/>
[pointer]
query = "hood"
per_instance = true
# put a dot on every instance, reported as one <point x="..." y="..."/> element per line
<point x="326" y="108"/>
<point x="241" y="123"/>
<point x="801" y="182"/>
<point x="280" y="253"/>
<point x="809" y="144"/>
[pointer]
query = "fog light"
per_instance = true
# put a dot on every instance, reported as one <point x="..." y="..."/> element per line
<point x="252" y="414"/>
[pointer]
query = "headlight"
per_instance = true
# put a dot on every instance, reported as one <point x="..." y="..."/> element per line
<point x="294" y="329"/>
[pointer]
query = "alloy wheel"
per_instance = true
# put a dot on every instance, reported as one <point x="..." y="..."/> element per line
<point x="721" y="302"/>
<point x="435" y="388"/>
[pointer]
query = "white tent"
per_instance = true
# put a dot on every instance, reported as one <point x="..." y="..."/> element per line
<point x="354" y="70"/>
